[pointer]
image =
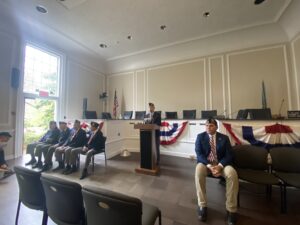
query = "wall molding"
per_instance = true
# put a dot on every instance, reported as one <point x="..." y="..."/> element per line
<point x="294" y="65"/>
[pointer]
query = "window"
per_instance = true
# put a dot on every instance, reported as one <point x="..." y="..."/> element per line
<point x="41" y="73"/>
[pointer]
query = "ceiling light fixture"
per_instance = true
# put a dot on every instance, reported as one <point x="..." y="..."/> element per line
<point x="41" y="9"/>
<point x="129" y="37"/>
<point x="206" y="14"/>
<point x="257" y="2"/>
<point x="163" y="27"/>
<point x="103" y="46"/>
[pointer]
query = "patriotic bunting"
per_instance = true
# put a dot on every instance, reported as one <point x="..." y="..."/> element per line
<point x="169" y="133"/>
<point x="267" y="136"/>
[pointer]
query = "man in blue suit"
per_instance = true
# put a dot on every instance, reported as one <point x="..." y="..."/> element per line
<point x="214" y="156"/>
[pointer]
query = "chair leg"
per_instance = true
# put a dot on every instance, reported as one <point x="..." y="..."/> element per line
<point x="93" y="163"/>
<point x="238" y="199"/>
<point x="45" y="217"/>
<point x="268" y="191"/>
<point x="283" y="198"/>
<point x="105" y="158"/>
<point x="18" y="211"/>
<point x="159" y="217"/>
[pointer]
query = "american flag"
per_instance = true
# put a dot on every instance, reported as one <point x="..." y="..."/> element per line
<point x="116" y="104"/>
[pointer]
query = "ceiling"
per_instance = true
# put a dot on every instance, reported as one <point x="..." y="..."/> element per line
<point x="92" y="22"/>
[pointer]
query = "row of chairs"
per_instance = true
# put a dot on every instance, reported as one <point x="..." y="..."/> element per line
<point x="67" y="203"/>
<point x="187" y="114"/>
<point x="139" y="115"/>
<point x="283" y="168"/>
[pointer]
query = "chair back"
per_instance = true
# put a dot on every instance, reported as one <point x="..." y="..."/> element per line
<point x="127" y="115"/>
<point x="206" y="114"/>
<point x="31" y="192"/>
<point x="106" y="207"/>
<point x="64" y="200"/>
<point x="171" y="115"/>
<point x="139" y="115"/>
<point x="90" y="115"/>
<point x="250" y="157"/>
<point x="189" y="114"/>
<point x="286" y="159"/>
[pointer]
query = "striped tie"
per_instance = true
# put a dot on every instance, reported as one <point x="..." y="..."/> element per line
<point x="212" y="157"/>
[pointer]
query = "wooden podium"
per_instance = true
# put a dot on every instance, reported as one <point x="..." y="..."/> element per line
<point x="148" y="164"/>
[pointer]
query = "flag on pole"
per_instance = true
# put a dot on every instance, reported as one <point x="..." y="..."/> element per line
<point x="263" y="96"/>
<point x="116" y="104"/>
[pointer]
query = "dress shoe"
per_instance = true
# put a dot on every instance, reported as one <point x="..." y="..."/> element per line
<point x="202" y="213"/>
<point x="37" y="165"/>
<point x="231" y="218"/>
<point x="71" y="170"/>
<point x="84" y="174"/>
<point x="32" y="161"/>
<point x="60" y="166"/>
<point x="66" y="170"/>
<point x="45" y="167"/>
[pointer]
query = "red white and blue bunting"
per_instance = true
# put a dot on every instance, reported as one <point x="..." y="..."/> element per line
<point x="169" y="133"/>
<point x="266" y="136"/>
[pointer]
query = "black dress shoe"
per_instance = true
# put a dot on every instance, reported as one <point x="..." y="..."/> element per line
<point x="84" y="174"/>
<point x="202" y="213"/>
<point x="231" y="218"/>
<point x="71" y="170"/>
<point x="66" y="170"/>
<point x="37" y="165"/>
<point x="32" y="161"/>
<point x="45" y="167"/>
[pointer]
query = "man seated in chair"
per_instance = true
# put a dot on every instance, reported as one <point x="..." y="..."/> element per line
<point x="50" y="138"/>
<point x="214" y="156"/>
<point x="77" y="139"/>
<point x="95" y="144"/>
<point x="65" y="132"/>
<point x="4" y="138"/>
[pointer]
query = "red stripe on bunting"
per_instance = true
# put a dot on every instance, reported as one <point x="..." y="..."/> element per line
<point x="278" y="128"/>
<point x="228" y="128"/>
<point x="174" y="139"/>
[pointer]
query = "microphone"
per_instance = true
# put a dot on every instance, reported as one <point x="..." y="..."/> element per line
<point x="280" y="108"/>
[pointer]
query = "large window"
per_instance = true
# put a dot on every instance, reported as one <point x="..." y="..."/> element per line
<point x="41" y="72"/>
<point x="40" y="91"/>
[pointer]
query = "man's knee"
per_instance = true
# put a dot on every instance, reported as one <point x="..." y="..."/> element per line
<point x="201" y="170"/>
<point x="230" y="172"/>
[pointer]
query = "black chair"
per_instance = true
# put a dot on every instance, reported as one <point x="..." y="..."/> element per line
<point x="127" y="115"/>
<point x="106" y="115"/>
<point x="189" y="114"/>
<point x="260" y="114"/>
<point x="31" y="192"/>
<point x="106" y="208"/>
<point x="251" y="165"/>
<point x="139" y="115"/>
<point x="171" y="115"/>
<point x="206" y="114"/>
<point x="242" y="114"/>
<point x="93" y="157"/>
<point x="286" y="166"/>
<point x="64" y="201"/>
<point x="90" y="115"/>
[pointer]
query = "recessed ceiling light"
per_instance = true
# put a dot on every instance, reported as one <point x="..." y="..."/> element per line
<point x="206" y="14"/>
<point x="103" y="46"/>
<point x="41" y="9"/>
<point x="257" y="2"/>
<point x="129" y="37"/>
<point x="163" y="27"/>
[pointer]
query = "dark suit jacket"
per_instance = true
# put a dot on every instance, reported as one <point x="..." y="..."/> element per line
<point x="97" y="143"/>
<point x="51" y="137"/>
<point x="64" y="136"/>
<point x="223" y="148"/>
<point x="156" y="119"/>
<point x="79" y="140"/>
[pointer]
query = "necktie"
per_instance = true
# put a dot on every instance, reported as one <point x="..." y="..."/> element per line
<point x="212" y="157"/>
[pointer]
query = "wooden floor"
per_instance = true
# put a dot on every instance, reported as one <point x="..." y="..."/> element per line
<point x="173" y="192"/>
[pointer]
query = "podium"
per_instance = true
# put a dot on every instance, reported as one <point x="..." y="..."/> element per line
<point x="148" y="164"/>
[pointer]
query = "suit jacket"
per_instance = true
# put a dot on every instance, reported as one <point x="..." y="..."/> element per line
<point x="156" y="119"/>
<point x="51" y="137"/>
<point x="79" y="140"/>
<point x="97" y="142"/>
<point x="64" y="136"/>
<point x="223" y="148"/>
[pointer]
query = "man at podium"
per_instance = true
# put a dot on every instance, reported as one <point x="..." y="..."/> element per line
<point x="154" y="118"/>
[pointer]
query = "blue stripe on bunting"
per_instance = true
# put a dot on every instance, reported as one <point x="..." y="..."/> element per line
<point x="249" y="136"/>
<point x="170" y="132"/>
